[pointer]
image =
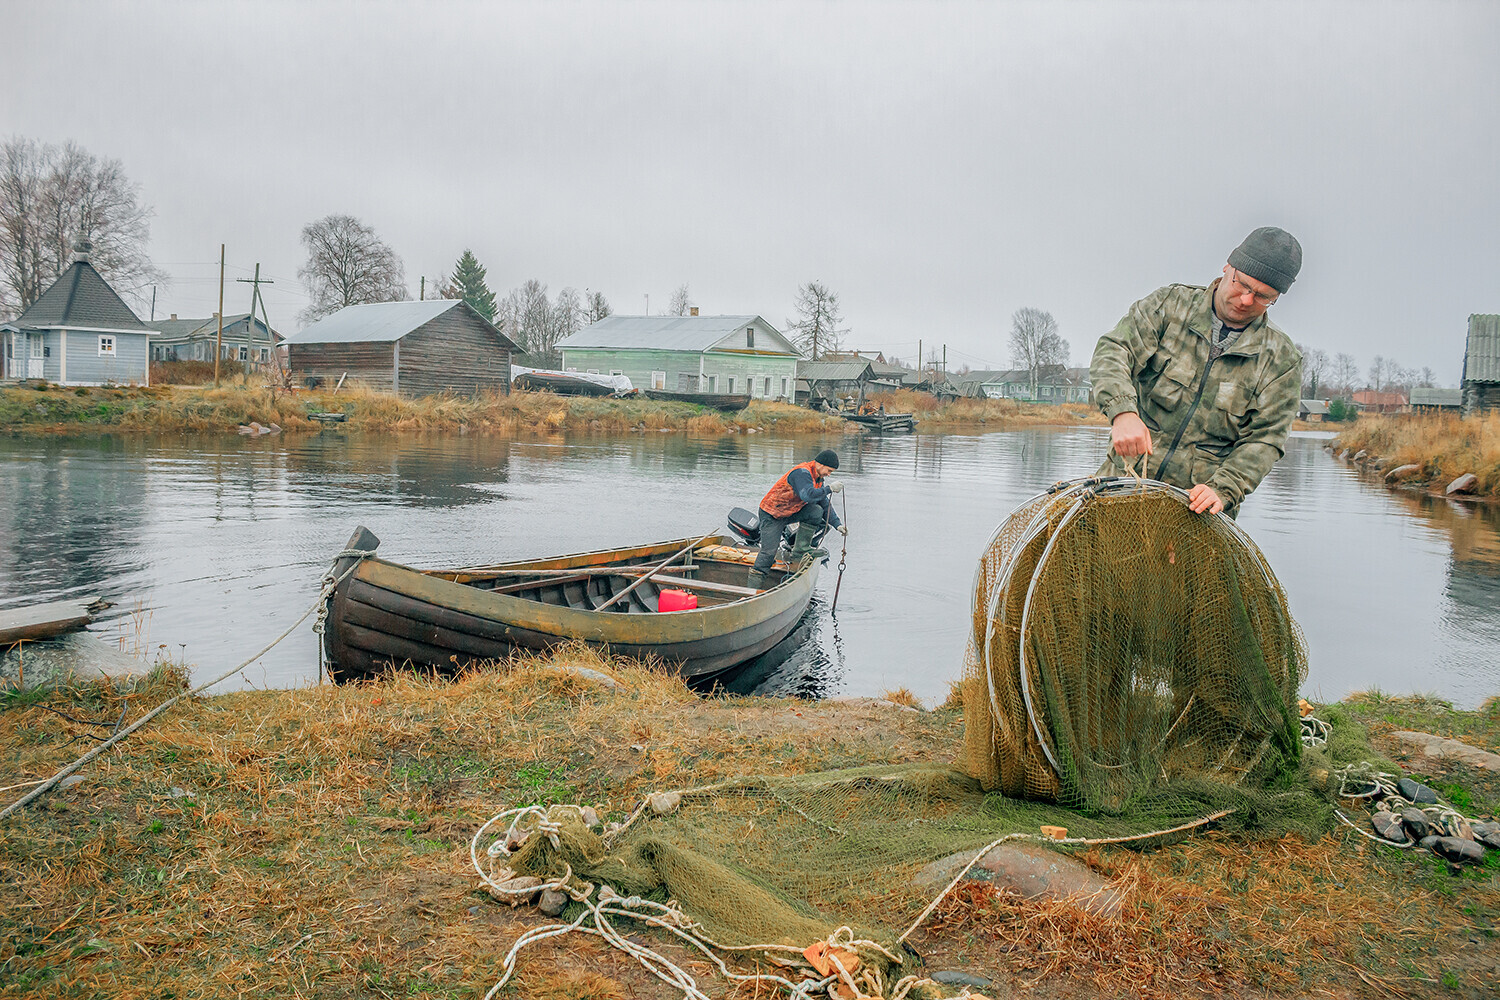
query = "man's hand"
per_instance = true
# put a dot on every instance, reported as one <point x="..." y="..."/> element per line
<point x="1129" y="435"/>
<point x="834" y="486"/>
<point x="843" y="530"/>
<point x="1203" y="500"/>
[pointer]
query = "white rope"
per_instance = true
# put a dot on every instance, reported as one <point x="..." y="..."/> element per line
<point x="328" y="585"/>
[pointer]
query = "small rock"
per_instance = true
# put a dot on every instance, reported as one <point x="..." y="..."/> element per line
<point x="1390" y="827"/>
<point x="514" y="839"/>
<point x="1359" y="456"/>
<point x="1488" y="834"/>
<point x="1344" y="455"/>
<point x="1432" y="753"/>
<point x="664" y="803"/>
<point x="274" y="429"/>
<point x="515" y="891"/>
<point x="474" y="911"/>
<point x="1429" y="842"/>
<point x="1463" y="484"/>
<point x="1459" y="852"/>
<point x="960" y="979"/>
<point x="245" y="430"/>
<point x="553" y="902"/>
<point x="70" y="781"/>
<point x="589" y="816"/>
<point x="1379" y="463"/>
<point x="1033" y="871"/>
<point x="1416" y="792"/>
<point x="1401" y="472"/>
<point x="177" y="792"/>
<point x="1418" y="824"/>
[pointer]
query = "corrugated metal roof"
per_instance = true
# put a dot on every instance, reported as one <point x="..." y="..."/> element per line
<point x="179" y="329"/>
<point x="1436" y="397"/>
<point x="81" y="299"/>
<point x="833" y="371"/>
<point x="664" y="333"/>
<point x="1482" y="354"/>
<point x="1315" y="406"/>
<point x="373" y="322"/>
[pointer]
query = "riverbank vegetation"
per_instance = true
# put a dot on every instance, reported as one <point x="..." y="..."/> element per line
<point x="178" y="408"/>
<point x="1443" y="447"/>
<point x="314" y="842"/>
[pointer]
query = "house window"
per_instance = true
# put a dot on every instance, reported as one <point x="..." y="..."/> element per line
<point x="265" y="354"/>
<point x="731" y="385"/>
<point x="713" y="383"/>
<point x="106" y="347"/>
<point x="784" y="381"/>
<point x="658" y="380"/>
<point x="593" y="371"/>
<point x="767" y="390"/>
<point x="750" y="337"/>
<point x="616" y="371"/>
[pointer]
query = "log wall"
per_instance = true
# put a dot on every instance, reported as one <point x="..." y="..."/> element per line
<point x="369" y="362"/>
<point x="456" y="352"/>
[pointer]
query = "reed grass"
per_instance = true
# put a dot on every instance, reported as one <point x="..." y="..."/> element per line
<point x="933" y="413"/>
<point x="313" y="842"/>
<point x="1445" y="446"/>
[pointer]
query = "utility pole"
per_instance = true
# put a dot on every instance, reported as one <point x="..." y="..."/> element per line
<point x="219" y="340"/>
<point x="945" y="362"/>
<point x="153" y="303"/>
<point x="648" y="303"/>
<point x="422" y="289"/>
<point x="255" y="284"/>
<point x="919" y="361"/>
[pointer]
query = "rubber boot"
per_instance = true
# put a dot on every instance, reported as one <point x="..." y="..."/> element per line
<point x="804" y="544"/>
<point x="757" y="580"/>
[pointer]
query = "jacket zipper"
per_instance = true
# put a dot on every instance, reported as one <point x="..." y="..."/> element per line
<point x="1192" y="409"/>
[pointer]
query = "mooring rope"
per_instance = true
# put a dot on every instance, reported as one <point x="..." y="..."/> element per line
<point x="329" y="583"/>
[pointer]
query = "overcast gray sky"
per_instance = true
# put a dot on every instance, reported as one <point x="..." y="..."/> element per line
<point x="938" y="165"/>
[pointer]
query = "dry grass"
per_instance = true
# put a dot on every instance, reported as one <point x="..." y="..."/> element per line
<point x="903" y="697"/>
<point x="520" y="414"/>
<point x="314" y="843"/>
<point x="992" y="414"/>
<point x="1444" y="446"/>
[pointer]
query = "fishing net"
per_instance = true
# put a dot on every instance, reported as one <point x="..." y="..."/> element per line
<point x="1133" y="671"/>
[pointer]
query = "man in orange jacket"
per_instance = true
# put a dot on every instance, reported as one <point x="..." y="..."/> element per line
<point x="801" y="497"/>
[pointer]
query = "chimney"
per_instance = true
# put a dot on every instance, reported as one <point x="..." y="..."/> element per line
<point x="174" y="315"/>
<point x="693" y="311"/>
<point x="81" y="250"/>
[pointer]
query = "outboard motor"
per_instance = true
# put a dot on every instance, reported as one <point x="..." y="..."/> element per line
<point x="745" y="525"/>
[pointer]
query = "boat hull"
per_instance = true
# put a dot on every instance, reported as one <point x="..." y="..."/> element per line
<point x="385" y="616"/>
<point x="716" y="400"/>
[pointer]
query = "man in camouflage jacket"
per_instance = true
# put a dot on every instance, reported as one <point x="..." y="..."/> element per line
<point x="1201" y="382"/>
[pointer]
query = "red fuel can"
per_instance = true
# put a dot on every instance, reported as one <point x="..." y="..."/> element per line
<point x="677" y="600"/>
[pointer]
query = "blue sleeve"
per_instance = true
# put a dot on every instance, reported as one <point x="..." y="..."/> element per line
<point x="801" y="482"/>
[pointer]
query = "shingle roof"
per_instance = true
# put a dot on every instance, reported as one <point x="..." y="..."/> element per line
<point x="833" y="371"/>
<point x="1482" y="354"/>
<point x="81" y="299"/>
<point x="662" y="333"/>
<point x="373" y="322"/>
<point x="1436" y="397"/>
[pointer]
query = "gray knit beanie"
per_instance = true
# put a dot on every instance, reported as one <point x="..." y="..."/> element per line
<point x="1271" y="255"/>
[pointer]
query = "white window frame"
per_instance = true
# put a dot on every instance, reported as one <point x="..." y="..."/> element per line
<point x="107" y="346"/>
<point x="243" y="352"/>
<point x="713" y="383"/>
<point x="616" y="371"/>
<point x="265" y="354"/>
<point x="749" y="338"/>
<point x="659" y="380"/>
<point x="783" y="387"/>
<point x="37" y="350"/>
<point x="731" y="385"/>
<point x="767" y="388"/>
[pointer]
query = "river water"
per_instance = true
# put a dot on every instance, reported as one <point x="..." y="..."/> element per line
<point x="210" y="546"/>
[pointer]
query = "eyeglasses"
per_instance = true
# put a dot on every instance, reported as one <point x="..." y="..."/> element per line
<point x="1241" y="288"/>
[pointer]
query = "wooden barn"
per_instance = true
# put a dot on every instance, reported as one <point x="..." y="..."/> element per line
<point x="1481" y="379"/>
<point x="414" y="348"/>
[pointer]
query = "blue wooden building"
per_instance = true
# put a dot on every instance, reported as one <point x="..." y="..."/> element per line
<point x="79" y="332"/>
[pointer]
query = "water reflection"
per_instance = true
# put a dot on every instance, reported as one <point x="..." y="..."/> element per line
<point x="223" y="540"/>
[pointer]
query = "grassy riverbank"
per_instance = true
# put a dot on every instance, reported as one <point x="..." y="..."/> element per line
<point x="178" y="409"/>
<point x="315" y="843"/>
<point x="1445" y="447"/>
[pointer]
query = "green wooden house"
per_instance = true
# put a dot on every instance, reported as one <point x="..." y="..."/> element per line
<point x="735" y="355"/>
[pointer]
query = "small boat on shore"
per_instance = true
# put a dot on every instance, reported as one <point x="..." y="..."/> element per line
<point x="45" y="621"/>
<point x="717" y="400"/>
<point x="385" y="615"/>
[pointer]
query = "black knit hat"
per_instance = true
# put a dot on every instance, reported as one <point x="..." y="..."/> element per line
<point x="828" y="458"/>
<point x="1271" y="255"/>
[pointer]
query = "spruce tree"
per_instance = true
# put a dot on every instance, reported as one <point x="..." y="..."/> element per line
<point x="468" y="278"/>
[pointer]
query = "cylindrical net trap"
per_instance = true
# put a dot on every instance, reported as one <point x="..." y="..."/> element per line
<point x="1124" y="646"/>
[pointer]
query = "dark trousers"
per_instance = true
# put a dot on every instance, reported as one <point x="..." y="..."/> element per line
<point x="772" y="528"/>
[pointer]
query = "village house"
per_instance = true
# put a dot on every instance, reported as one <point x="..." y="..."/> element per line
<point x="1313" y="411"/>
<point x="79" y="332"/>
<point x="730" y="355"/>
<point x="1430" y="400"/>
<point x="1054" y="384"/>
<point x="414" y="348"/>
<point x="193" y="339"/>
<point x="827" y="383"/>
<point x="1370" y="401"/>
<point x="1481" y="379"/>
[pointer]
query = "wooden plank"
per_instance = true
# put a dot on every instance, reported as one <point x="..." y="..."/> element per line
<point x="42" y="621"/>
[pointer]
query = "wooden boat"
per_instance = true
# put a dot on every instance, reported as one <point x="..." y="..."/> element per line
<point x="717" y="400"/>
<point x="386" y="615"/>
<point x="44" y="621"/>
<point x="561" y="384"/>
<point x="882" y="423"/>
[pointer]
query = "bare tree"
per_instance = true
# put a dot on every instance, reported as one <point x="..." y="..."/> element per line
<point x="1380" y="371"/>
<point x="1035" y="343"/>
<point x="347" y="264"/>
<point x="1345" y="373"/>
<point x="532" y="313"/>
<point x="567" y="314"/>
<point x="51" y="197"/>
<point x="680" y="304"/>
<point x="1316" y="366"/>
<point x="816" y="330"/>
<point x="1428" y="378"/>
<point x="595" y="307"/>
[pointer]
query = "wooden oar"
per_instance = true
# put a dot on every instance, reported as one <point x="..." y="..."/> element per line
<point x="659" y="567"/>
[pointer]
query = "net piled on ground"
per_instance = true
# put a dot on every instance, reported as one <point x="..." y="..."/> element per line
<point x="1122" y="646"/>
